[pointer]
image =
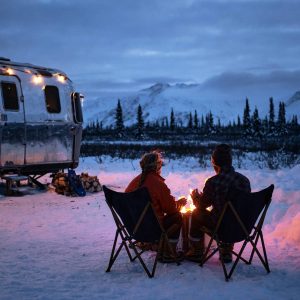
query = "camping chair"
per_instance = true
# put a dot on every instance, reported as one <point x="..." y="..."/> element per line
<point x="241" y="219"/>
<point x="136" y="222"/>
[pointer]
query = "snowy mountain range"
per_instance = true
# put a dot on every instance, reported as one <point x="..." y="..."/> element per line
<point x="219" y="96"/>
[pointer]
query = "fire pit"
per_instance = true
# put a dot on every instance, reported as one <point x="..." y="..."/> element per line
<point x="186" y="212"/>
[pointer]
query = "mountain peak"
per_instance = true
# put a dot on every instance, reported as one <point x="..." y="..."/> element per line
<point x="157" y="88"/>
<point x="294" y="98"/>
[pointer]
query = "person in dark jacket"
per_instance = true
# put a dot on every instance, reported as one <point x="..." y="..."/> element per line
<point x="164" y="204"/>
<point x="210" y="202"/>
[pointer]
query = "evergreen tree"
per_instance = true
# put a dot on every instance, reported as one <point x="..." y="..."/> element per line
<point x="97" y="126"/>
<point x="190" y="123"/>
<point x="246" y="118"/>
<point x="196" y="120"/>
<point x="271" y="117"/>
<point x="167" y="122"/>
<point x="209" y="122"/>
<point x="281" y="121"/>
<point x="172" y="120"/>
<point x="256" y="123"/>
<point x="119" y="118"/>
<point x="238" y="121"/>
<point x="93" y="127"/>
<point x="218" y="127"/>
<point x="283" y="113"/>
<point x="202" y="121"/>
<point x="294" y="121"/>
<point x="140" y="120"/>
<point x="294" y="126"/>
<point x="265" y="125"/>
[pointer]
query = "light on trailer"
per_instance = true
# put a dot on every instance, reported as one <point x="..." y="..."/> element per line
<point x="37" y="79"/>
<point x="10" y="71"/>
<point x="60" y="78"/>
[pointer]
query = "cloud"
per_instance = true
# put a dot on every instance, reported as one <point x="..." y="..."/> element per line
<point x="164" y="54"/>
<point x="142" y="52"/>
<point x="229" y="80"/>
<point x="154" y="39"/>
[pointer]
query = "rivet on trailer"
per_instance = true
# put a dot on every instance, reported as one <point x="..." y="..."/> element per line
<point x="40" y="120"/>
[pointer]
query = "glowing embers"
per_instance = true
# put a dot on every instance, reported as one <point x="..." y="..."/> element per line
<point x="189" y="207"/>
<point x="37" y="79"/>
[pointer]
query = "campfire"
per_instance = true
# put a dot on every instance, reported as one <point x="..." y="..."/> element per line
<point x="189" y="207"/>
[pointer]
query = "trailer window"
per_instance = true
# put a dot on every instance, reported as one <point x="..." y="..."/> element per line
<point x="10" y="96"/>
<point x="52" y="99"/>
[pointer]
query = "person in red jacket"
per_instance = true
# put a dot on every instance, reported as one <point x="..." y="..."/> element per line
<point x="164" y="204"/>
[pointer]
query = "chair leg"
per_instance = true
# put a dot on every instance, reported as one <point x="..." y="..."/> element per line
<point x="252" y="252"/>
<point x="138" y="256"/>
<point x="126" y="246"/>
<point x="205" y="256"/>
<point x="265" y="263"/>
<point x="237" y="260"/>
<point x="265" y="252"/>
<point x="112" y="254"/>
<point x="254" y="249"/>
<point x="159" y="252"/>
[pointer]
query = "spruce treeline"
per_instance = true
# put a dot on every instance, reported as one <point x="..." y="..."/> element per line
<point x="252" y="125"/>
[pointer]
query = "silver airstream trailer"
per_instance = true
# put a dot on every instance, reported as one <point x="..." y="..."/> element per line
<point x="40" y="119"/>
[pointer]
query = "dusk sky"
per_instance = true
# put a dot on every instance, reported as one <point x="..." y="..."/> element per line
<point x="131" y="44"/>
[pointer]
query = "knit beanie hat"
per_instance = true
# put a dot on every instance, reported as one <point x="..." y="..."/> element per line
<point x="222" y="156"/>
<point x="151" y="161"/>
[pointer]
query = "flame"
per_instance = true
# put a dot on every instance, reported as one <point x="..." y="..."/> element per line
<point x="183" y="210"/>
<point x="189" y="207"/>
<point x="209" y="208"/>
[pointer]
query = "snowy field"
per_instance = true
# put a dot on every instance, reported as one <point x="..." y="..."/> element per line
<point x="57" y="247"/>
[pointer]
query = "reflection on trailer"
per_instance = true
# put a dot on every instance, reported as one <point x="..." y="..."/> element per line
<point x="40" y="120"/>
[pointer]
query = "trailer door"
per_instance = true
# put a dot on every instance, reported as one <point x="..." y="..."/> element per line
<point x="12" y="123"/>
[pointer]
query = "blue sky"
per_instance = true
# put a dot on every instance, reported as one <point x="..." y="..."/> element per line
<point x="130" y="44"/>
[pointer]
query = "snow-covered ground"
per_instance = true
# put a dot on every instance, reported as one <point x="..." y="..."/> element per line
<point x="57" y="247"/>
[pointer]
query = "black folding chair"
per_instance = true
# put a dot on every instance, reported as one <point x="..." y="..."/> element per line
<point x="136" y="221"/>
<point x="241" y="219"/>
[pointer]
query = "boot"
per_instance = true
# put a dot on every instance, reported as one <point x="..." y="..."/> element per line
<point x="195" y="251"/>
<point x="170" y="255"/>
<point x="225" y="252"/>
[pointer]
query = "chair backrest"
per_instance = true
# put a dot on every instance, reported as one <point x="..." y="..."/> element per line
<point x="249" y="206"/>
<point x="129" y="207"/>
